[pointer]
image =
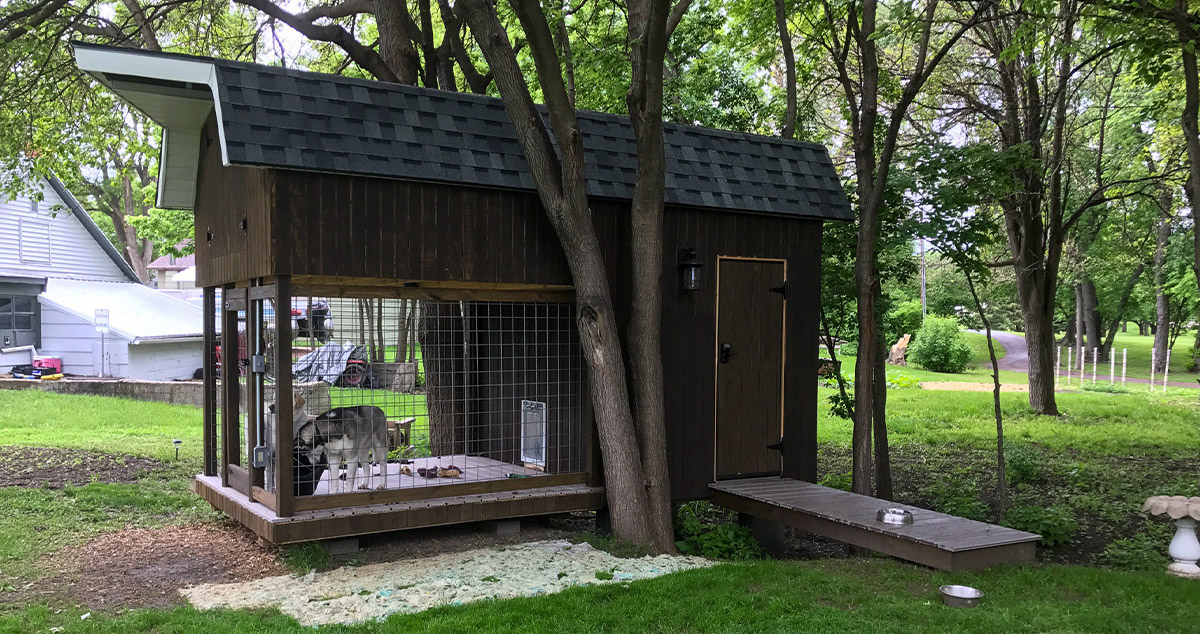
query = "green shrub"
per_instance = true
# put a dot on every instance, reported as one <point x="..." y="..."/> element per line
<point x="726" y="541"/>
<point x="958" y="497"/>
<point x="903" y="319"/>
<point x="708" y="531"/>
<point x="901" y="380"/>
<point x="850" y="349"/>
<point x="1055" y="524"/>
<point x="939" y="346"/>
<point x="1022" y="465"/>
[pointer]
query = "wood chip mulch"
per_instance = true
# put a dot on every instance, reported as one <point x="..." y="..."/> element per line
<point x="140" y="567"/>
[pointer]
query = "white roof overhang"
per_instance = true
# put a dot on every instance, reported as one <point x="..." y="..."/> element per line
<point x="178" y="94"/>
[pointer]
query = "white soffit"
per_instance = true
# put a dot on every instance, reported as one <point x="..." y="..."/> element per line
<point x="178" y="94"/>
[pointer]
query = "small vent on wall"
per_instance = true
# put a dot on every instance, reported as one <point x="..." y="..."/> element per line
<point x="34" y="241"/>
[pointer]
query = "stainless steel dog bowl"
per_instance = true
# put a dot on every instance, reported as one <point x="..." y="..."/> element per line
<point x="960" y="596"/>
<point x="894" y="516"/>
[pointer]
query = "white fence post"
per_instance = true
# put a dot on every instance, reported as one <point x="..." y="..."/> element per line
<point x="1152" y="351"/>
<point x="1166" y="370"/>
<point x="1095" y="355"/>
<point x="1112" y="366"/>
<point x="1124" y="363"/>
<point x="1057" y="364"/>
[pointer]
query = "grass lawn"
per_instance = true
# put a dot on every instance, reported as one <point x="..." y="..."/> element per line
<point x="853" y="595"/>
<point x="1093" y="467"/>
<point x="36" y="521"/>
<point x="979" y="348"/>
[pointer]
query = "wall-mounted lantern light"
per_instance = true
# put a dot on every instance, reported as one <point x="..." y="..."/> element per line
<point x="691" y="270"/>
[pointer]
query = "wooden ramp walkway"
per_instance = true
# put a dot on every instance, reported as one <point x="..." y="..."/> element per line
<point x="934" y="539"/>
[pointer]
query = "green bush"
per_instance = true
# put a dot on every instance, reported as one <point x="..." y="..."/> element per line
<point x="1022" y="465"/>
<point x="939" y="346"/>
<point x="704" y="530"/>
<point x="1141" y="552"/>
<point x="903" y="319"/>
<point x="901" y="380"/>
<point x="1107" y="388"/>
<point x="1055" y="524"/>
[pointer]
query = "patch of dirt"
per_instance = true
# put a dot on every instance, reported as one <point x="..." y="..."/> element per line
<point x="140" y="567"/>
<point x="36" y="467"/>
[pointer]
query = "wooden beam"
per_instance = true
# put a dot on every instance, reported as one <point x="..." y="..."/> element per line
<point x="442" y="294"/>
<point x="230" y="397"/>
<point x="210" y="395"/>
<point x="390" y="496"/>
<point x="283" y="398"/>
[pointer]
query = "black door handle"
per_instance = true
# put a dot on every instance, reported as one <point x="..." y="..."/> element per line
<point x="726" y="352"/>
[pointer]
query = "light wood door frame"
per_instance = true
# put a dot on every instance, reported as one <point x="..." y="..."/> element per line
<point x="717" y="355"/>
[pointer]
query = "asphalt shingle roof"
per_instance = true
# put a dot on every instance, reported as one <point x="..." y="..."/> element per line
<point x="291" y="119"/>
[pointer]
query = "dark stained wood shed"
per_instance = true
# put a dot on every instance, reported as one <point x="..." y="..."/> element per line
<point x="308" y="185"/>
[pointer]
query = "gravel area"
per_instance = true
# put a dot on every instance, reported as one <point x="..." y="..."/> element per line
<point x="356" y="594"/>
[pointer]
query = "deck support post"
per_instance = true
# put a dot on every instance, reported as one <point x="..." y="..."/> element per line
<point x="283" y="397"/>
<point x="230" y="363"/>
<point x="210" y="395"/>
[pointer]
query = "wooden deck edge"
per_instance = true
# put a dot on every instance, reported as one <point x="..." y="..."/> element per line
<point x="908" y="550"/>
<point x="295" y="530"/>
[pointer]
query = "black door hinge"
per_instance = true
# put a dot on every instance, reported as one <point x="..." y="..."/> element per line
<point x="782" y="289"/>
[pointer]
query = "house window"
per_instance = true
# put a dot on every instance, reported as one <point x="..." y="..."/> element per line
<point x="17" y="313"/>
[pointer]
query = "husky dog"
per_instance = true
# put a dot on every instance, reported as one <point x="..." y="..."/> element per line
<point x="307" y="466"/>
<point x="349" y="435"/>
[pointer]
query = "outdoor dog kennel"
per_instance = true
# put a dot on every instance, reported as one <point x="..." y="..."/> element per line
<point x="411" y="214"/>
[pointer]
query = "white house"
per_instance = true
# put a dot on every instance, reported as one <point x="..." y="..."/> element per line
<point x="56" y="269"/>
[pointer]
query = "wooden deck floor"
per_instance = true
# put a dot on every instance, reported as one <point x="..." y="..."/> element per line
<point x="379" y="518"/>
<point x="475" y="469"/>
<point x="934" y="539"/>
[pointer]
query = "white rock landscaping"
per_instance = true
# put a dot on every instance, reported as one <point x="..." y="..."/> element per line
<point x="356" y="594"/>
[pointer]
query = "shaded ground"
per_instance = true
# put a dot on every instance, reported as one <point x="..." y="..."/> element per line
<point x="41" y="467"/>
<point x="140" y="567"/>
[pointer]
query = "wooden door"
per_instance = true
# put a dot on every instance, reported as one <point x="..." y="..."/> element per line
<point x="751" y="305"/>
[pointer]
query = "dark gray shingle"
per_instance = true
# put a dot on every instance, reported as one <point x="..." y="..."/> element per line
<point x="354" y="126"/>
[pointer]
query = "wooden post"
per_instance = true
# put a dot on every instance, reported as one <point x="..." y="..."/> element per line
<point x="230" y="420"/>
<point x="283" y="397"/>
<point x="210" y="381"/>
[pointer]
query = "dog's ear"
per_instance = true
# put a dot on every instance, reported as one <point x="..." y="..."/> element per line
<point x="298" y="401"/>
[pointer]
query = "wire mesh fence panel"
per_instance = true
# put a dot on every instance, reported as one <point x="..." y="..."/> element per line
<point x="400" y="394"/>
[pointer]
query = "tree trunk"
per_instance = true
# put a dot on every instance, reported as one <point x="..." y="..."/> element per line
<point x="1001" y="480"/>
<point x="1191" y="109"/>
<point x="395" y="41"/>
<point x="441" y="335"/>
<point x="558" y="173"/>
<point x="1092" y="323"/>
<point x="789" y="69"/>
<point x="647" y="51"/>
<point x="883" y="460"/>
<point x="1143" y="328"/>
<point x="1162" y="306"/>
